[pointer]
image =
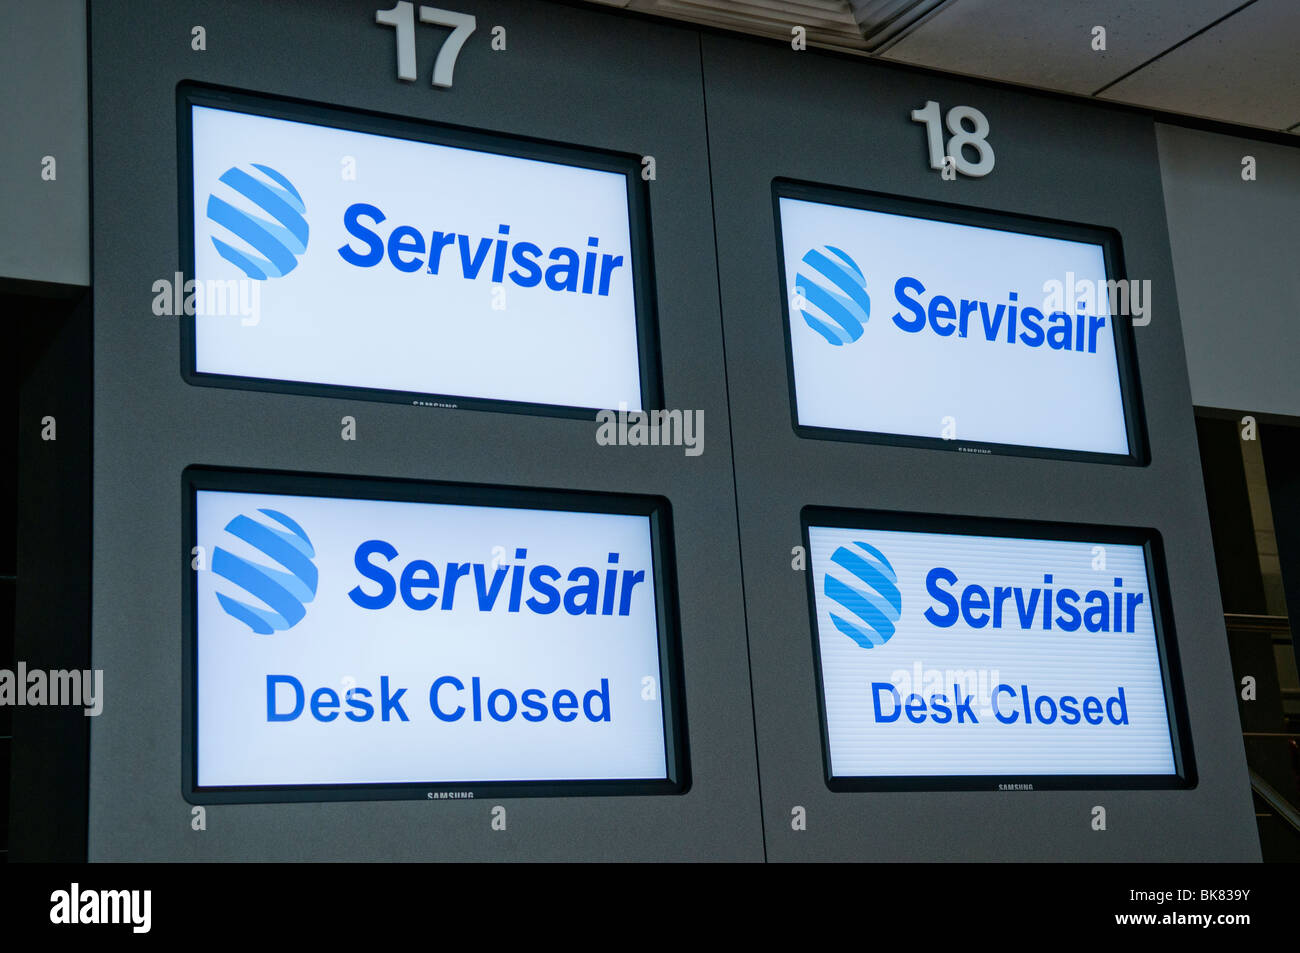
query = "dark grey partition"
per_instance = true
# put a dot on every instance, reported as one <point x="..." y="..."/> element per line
<point x="566" y="75"/>
<point x="587" y="78"/>
<point x="774" y="112"/>
<point x="1245" y="231"/>
<point x="44" y="188"/>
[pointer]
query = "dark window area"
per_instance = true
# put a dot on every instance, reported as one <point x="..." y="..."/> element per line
<point x="1252" y="486"/>
<point x="45" y="571"/>
<point x="9" y="373"/>
<point x="1240" y="583"/>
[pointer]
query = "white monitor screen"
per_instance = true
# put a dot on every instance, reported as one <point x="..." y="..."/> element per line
<point x="357" y="640"/>
<point x="914" y="329"/>
<point x="445" y="273"/>
<point x="988" y="658"/>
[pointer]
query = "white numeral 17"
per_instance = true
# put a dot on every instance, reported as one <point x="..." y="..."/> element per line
<point x="402" y="19"/>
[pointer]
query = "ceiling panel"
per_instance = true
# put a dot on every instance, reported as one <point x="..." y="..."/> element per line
<point x="1231" y="60"/>
<point x="1049" y="45"/>
<point x="1244" y="70"/>
<point x="827" y="22"/>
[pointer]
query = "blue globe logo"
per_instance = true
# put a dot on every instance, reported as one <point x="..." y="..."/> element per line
<point x="864" y="589"/>
<point x="261" y="247"/>
<point x="280" y="593"/>
<point x="832" y="295"/>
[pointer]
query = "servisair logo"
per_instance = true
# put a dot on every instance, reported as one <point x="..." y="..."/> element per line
<point x="831" y="293"/>
<point x="268" y="567"/>
<point x="831" y="296"/>
<point x="269" y="586"/>
<point x="865" y="603"/>
<point x="587" y="269"/>
<point x="863" y="589"/>
<point x="259" y="221"/>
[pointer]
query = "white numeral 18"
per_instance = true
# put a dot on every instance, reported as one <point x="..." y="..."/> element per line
<point x="974" y="137"/>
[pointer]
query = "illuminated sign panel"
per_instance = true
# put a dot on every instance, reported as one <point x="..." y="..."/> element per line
<point x="399" y="640"/>
<point x="409" y="262"/>
<point x="972" y="654"/>
<point x="933" y="326"/>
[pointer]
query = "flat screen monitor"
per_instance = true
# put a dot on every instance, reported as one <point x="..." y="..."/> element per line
<point x="932" y="325"/>
<point x="334" y="252"/>
<point x="974" y="654"/>
<point x="353" y="639"/>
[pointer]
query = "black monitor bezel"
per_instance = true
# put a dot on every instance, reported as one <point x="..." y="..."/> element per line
<point x="189" y="94"/>
<point x="1112" y="249"/>
<point x="672" y="691"/>
<point x="1180" y="736"/>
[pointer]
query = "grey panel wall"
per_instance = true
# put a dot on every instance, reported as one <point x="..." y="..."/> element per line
<point x="568" y="75"/>
<point x="589" y="78"/>
<point x="1234" y="246"/>
<point x="843" y="122"/>
<point x="45" y="228"/>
